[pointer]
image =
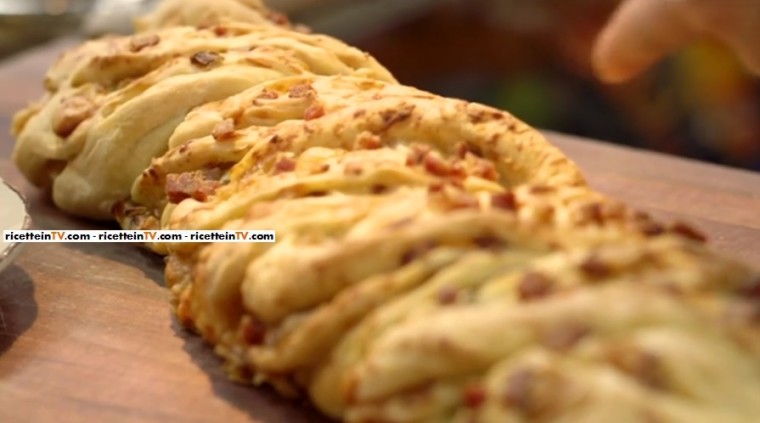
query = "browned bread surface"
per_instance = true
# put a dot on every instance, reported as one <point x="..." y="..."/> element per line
<point x="436" y="260"/>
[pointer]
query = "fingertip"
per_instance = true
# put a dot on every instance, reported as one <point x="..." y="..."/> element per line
<point x="638" y="35"/>
<point x="604" y="63"/>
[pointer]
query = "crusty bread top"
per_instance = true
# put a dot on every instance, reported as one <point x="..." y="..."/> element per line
<point x="112" y="104"/>
<point x="436" y="259"/>
<point x="340" y="113"/>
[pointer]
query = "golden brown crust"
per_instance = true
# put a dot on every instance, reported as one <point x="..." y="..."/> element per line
<point x="387" y="135"/>
<point x="436" y="260"/>
<point x="114" y="103"/>
<point x="339" y="282"/>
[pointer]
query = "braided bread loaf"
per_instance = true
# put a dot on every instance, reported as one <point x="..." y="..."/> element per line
<point x="274" y="120"/>
<point x="113" y="103"/>
<point x="437" y="260"/>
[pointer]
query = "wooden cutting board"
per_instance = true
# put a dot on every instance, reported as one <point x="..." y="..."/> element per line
<point x="85" y="329"/>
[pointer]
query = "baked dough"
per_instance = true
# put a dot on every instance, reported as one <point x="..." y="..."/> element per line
<point x="366" y="299"/>
<point x="436" y="260"/>
<point x="353" y="120"/>
<point x="112" y="104"/>
<point x="383" y="230"/>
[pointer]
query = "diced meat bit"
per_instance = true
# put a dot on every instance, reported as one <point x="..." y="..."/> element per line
<point x="520" y="394"/>
<point x="651" y="228"/>
<point x="220" y="31"/>
<point x="301" y="91"/>
<point x="189" y="185"/>
<point x="278" y="18"/>
<point x="73" y="111"/>
<point x="317" y="194"/>
<point x="324" y="167"/>
<point x="268" y="95"/>
<point x="456" y="183"/>
<point x="595" y="268"/>
<point x="600" y="212"/>
<point x="474" y="396"/>
<point x="545" y="212"/>
<point x="418" y="153"/>
<point x="447" y="295"/>
<point x="353" y="169"/>
<point x="593" y="213"/>
<point x="204" y="58"/>
<point x="461" y="150"/>
<point x="565" y="335"/>
<point x="489" y="242"/>
<point x="224" y="130"/>
<point x="417" y="251"/>
<point x="751" y="290"/>
<point x="314" y="111"/>
<point x="236" y="114"/>
<point x="534" y="286"/>
<point x="369" y="141"/>
<point x="458" y="170"/>
<point x="150" y="173"/>
<point x="614" y="210"/>
<point x="687" y="231"/>
<point x="153" y="173"/>
<point x="478" y="116"/>
<point x="436" y="165"/>
<point x="253" y="331"/>
<point x="285" y="164"/>
<point x="392" y="117"/>
<point x="119" y="209"/>
<point x="481" y="114"/>
<point x="140" y="42"/>
<point x="541" y="189"/>
<point x="644" y="366"/>
<point x="435" y="187"/>
<point x="485" y="170"/>
<point x="142" y="220"/>
<point x="505" y="201"/>
<point x="378" y="188"/>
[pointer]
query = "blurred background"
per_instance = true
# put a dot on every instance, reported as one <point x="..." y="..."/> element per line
<point x="530" y="57"/>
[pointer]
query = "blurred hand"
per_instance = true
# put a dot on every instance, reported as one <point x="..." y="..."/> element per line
<point x="643" y="31"/>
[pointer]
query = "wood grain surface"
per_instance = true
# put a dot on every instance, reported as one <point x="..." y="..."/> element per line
<point x="85" y="329"/>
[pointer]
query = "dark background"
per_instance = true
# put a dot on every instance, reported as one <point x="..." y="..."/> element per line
<point x="532" y="58"/>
